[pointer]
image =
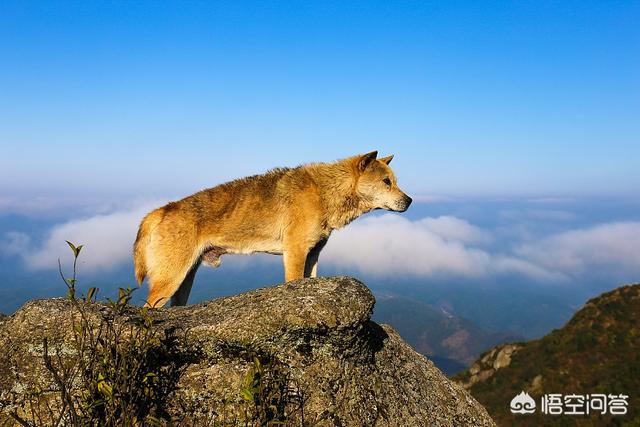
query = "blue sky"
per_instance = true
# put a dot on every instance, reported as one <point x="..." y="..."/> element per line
<point x="517" y="123"/>
<point x="154" y="99"/>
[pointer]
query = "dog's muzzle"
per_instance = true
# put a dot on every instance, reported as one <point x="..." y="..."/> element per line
<point x="403" y="204"/>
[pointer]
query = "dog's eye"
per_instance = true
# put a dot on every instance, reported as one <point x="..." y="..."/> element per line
<point x="387" y="181"/>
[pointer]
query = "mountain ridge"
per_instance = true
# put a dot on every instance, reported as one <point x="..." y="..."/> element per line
<point x="597" y="351"/>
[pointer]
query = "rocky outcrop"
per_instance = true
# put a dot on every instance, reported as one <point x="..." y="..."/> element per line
<point x="347" y="370"/>
<point x="488" y="364"/>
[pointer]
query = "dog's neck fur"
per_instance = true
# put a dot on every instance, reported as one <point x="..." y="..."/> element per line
<point x="336" y="183"/>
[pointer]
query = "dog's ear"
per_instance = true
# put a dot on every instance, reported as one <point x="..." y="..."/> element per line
<point x="386" y="160"/>
<point x="366" y="159"/>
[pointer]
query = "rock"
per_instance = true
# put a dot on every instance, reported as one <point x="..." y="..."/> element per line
<point x="536" y="385"/>
<point x="493" y="360"/>
<point x="503" y="358"/>
<point x="348" y="370"/>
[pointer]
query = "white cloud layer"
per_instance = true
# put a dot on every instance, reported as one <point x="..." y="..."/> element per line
<point x="391" y="244"/>
<point x="607" y="246"/>
<point x="383" y="245"/>
<point x="451" y="228"/>
<point x="107" y="239"/>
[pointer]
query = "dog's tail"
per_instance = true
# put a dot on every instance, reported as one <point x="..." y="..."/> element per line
<point x="147" y="225"/>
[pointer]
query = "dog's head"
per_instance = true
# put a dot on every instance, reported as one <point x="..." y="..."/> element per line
<point x="377" y="183"/>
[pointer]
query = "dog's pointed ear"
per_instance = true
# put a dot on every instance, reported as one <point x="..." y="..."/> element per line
<point x="386" y="160"/>
<point x="366" y="159"/>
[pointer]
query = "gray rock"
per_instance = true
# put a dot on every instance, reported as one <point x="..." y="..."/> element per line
<point x="495" y="359"/>
<point x="503" y="358"/>
<point x="349" y="370"/>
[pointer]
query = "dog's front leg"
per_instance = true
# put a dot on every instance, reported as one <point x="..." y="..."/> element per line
<point x="296" y="245"/>
<point x="294" y="258"/>
<point x="311" y="266"/>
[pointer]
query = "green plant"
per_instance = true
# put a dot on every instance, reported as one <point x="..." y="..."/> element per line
<point x="121" y="369"/>
<point x="273" y="395"/>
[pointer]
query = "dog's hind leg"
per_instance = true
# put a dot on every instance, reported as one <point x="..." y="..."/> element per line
<point x="161" y="291"/>
<point x="169" y="275"/>
<point x="182" y="294"/>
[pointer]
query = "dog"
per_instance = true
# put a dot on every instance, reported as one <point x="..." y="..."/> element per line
<point x="286" y="211"/>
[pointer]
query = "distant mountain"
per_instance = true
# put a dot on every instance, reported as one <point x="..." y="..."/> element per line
<point x="448" y="366"/>
<point x="597" y="351"/>
<point x="451" y="342"/>
<point x="527" y="309"/>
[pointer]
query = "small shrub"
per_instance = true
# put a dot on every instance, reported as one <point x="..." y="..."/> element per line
<point x="122" y="370"/>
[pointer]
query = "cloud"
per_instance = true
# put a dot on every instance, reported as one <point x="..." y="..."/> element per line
<point x="15" y="243"/>
<point x="451" y="228"/>
<point x="611" y="246"/>
<point x="391" y="244"/>
<point x="36" y="206"/>
<point x="537" y="214"/>
<point x="108" y="241"/>
<point x="28" y="205"/>
<point x="513" y="265"/>
<point x="383" y="245"/>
